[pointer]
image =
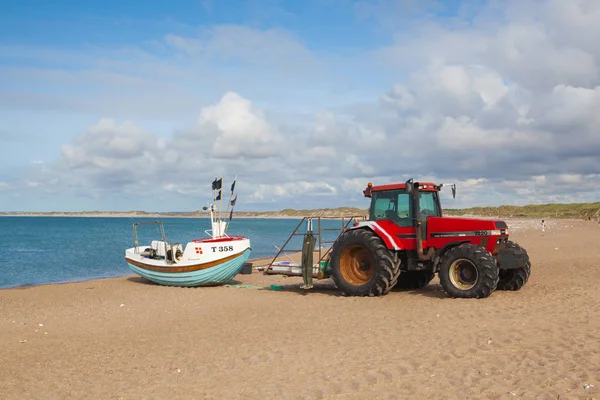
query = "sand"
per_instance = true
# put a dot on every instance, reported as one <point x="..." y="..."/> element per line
<point x="126" y="339"/>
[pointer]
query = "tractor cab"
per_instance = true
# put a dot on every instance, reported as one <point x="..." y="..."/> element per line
<point x="407" y="205"/>
<point x="396" y="203"/>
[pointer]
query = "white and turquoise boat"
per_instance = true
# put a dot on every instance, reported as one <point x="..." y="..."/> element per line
<point x="211" y="261"/>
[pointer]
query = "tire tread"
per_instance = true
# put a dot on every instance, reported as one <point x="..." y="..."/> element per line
<point x="387" y="268"/>
<point x="485" y="264"/>
<point x="519" y="277"/>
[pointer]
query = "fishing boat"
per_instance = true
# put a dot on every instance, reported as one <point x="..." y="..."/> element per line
<point x="209" y="261"/>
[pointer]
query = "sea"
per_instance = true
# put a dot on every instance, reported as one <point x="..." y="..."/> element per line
<point x="49" y="250"/>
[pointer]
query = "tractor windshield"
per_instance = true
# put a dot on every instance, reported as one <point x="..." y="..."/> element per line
<point x="429" y="205"/>
<point x="394" y="205"/>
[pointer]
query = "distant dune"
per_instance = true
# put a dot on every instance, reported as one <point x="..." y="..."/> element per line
<point x="558" y="210"/>
<point x="574" y="210"/>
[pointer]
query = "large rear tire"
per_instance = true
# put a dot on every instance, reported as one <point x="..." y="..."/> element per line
<point x="409" y="280"/>
<point x="361" y="264"/>
<point x="514" y="278"/>
<point x="468" y="271"/>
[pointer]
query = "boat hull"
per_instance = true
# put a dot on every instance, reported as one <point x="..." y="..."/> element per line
<point x="215" y="273"/>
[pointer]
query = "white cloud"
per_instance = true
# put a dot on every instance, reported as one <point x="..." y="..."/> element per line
<point x="528" y="42"/>
<point x="258" y="47"/>
<point x="463" y="133"/>
<point x="241" y="130"/>
<point x="293" y="189"/>
<point x="571" y="107"/>
<point x="400" y="97"/>
<point x="108" y="145"/>
<point x="188" y="45"/>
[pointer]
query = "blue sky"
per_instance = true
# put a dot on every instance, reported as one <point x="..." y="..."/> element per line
<point x="73" y="24"/>
<point x="322" y="24"/>
<point x="305" y="101"/>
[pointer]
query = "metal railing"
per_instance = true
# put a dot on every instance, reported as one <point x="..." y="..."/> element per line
<point x="345" y="222"/>
<point x="135" y="234"/>
<point x="166" y="246"/>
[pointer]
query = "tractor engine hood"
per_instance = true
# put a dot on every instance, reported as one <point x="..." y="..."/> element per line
<point x="438" y="226"/>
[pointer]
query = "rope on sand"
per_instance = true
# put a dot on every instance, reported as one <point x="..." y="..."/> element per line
<point x="272" y="287"/>
<point x="245" y="286"/>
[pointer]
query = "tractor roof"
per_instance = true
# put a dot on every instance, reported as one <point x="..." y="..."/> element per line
<point x="423" y="187"/>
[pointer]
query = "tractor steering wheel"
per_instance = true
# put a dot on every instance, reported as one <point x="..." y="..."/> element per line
<point x="426" y="213"/>
<point x="390" y="214"/>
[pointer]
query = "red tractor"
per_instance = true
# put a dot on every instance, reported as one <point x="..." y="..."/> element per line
<point x="406" y="241"/>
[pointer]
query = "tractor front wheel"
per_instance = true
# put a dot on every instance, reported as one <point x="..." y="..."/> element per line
<point x="361" y="264"/>
<point x="514" y="278"/>
<point x="468" y="271"/>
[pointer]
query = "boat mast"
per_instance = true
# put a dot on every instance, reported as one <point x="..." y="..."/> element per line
<point x="221" y="204"/>
<point x="230" y="196"/>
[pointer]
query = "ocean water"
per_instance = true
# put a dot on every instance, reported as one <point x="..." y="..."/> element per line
<point x="43" y="250"/>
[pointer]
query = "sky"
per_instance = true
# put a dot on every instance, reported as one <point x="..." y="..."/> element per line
<point x="119" y="106"/>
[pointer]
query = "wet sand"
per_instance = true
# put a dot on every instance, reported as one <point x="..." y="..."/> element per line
<point x="125" y="338"/>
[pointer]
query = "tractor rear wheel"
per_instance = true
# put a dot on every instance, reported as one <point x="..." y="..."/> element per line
<point x="514" y="278"/>
<point x="468" y="271"/>
<point x="414" y="279"/>
<point x="361" y="264"/>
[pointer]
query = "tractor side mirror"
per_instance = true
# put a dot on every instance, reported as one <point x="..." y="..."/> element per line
<point x="452" y="187"/>
<point x="409" y="186"/>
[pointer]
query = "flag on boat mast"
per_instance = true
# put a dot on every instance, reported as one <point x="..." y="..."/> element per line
<point x="216" y="186"/>
<point x="232" y="202"/>
<point x="231" y="194"/>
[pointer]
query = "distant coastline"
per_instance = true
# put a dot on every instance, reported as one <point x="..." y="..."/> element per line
<point x="287" y="213"/>
<point x="563" y="210"/>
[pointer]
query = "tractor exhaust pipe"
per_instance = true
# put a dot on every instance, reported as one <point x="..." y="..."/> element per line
<point x="412" y="188"/>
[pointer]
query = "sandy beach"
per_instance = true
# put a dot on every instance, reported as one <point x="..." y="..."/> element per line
<point x="127" y="339"/>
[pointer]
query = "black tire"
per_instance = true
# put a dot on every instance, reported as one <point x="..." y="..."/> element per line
<point x="514" y="279"/>
<point x="361" y="264"/>
<point x="414" y="279"/>
<point x="468" y="271"/>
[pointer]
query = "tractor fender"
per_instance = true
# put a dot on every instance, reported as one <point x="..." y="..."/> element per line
<point x="441" y="251"/>
<point x="388" y="239"/>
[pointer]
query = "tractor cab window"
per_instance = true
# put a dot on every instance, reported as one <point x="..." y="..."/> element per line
<point x="393" y="205"/>
<point x="429" y="205"/>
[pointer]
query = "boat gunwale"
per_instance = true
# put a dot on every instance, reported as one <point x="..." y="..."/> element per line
<point x="221" y="239"/>
<point x="187" y="268"/>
